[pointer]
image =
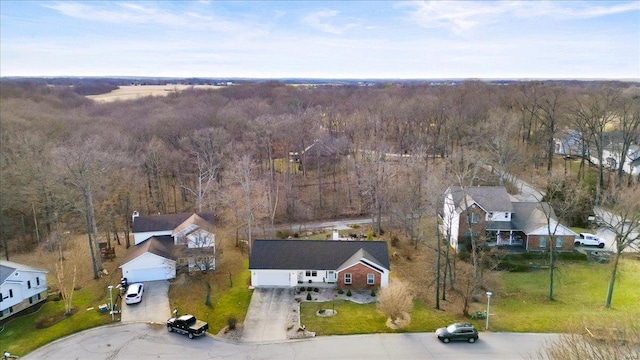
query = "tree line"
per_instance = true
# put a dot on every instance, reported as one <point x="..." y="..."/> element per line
<point x="256" y="154"/>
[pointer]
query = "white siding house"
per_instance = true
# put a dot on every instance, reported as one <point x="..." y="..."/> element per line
<point x="22" y="286"/>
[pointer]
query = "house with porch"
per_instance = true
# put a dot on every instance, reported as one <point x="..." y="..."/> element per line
<point x="343" y="264"/>
<point x="21" y="286"/>
<point x="166" y="243"/>
<point x="491" y="215"/>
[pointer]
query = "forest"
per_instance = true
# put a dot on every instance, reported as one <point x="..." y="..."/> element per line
<point x="254" y="155"/>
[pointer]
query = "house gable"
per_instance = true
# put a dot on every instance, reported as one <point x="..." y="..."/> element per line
<point x="21" y="286"/>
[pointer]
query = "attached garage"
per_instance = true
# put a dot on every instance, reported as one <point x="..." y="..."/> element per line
<point x="150" y="261"/>
<point x="273" y="278"/>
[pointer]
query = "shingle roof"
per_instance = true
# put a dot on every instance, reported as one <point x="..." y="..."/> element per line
<point x="163" y="222"/>
<point x="8" y="267"/>
<point x="158" y="245"/>
<point x="189" y="223"/>
<point x="529" y="216"/>
<point x="490" y="198"/>
<point x="313" y="254"/>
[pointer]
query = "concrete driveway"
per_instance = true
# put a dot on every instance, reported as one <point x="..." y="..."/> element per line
<point x="268" y="314"/>
<point x="153" y="308"/>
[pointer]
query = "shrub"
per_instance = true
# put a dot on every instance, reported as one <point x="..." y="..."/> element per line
<point x="231" y="323"/>
<point x="395" y="300"/>
<point x="349" y="292"/>
<point x="309" y="288"/>
<point x="394" y="241"/>
<point x="340" y="291"/>
<point x="373" y="293"/>
<point x="302" y="289"/>
<point x="308" y="296"/>
<point x="316" y="289"/>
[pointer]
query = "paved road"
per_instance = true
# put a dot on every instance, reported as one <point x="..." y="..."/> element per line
<point x="143" y="341"/>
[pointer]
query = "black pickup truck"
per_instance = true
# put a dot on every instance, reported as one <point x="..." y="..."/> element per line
<point x="187" y="324"/>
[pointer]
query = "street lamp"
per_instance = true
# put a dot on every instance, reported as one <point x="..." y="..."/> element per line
<point x="110" y="287"/>
<point x="486" y="327"/>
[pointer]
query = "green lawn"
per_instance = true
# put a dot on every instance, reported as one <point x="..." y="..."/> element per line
<point x="521" y="305"/>
<point x="226" y="301"/>
<point x="21" y="336"/>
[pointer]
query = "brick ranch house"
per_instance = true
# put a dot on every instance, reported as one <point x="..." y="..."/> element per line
<point x="345" y="264"/>
<point x="498" y="219"/>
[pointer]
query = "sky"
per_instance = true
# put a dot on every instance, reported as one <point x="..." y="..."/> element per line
<point x="322" y="39"/>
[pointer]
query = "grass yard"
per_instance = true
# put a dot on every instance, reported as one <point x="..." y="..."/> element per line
<point x="520" y="305"/>
<point x="28" y="332"/>
<point x="230" y="296"/>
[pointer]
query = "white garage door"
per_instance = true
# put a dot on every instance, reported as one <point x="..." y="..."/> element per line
<point x="273" y="278"/>
<point x="152" y="274"/>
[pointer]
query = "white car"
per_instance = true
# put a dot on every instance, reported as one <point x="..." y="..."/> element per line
<point x="134" y="293"/>
<point x="589" y="240"/>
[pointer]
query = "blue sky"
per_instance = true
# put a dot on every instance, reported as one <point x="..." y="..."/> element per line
<point x="322" y="39"/>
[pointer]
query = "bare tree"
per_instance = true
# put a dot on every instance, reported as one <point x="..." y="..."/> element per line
<point x="66" y="282"/>
<point x="595" y="112"/>
<point x="624" y="221"/>
<point x="613" y="342"/>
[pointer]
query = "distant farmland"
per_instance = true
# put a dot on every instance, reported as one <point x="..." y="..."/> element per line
<point x="132" y="92"/>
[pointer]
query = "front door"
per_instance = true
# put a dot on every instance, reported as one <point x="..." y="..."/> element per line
<point x="331" y="276"/>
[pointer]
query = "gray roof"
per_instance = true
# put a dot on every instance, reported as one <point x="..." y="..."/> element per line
<point x="529" y="216"/>
<point x="163" y="222"/>
<point x="8" y="267"/>
<point x="158" y="245"/>
<point x="314" y="254"/>
<point x="490" y="198"/>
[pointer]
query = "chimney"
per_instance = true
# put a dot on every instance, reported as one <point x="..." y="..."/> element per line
<point x="336" y="236"/>
<point x="135" y="215"/>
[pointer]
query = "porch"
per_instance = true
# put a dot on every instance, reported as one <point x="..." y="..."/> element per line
<point x="505" y="239"/>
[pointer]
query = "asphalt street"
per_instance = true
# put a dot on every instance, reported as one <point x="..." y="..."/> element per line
<point x="144" y="341"/>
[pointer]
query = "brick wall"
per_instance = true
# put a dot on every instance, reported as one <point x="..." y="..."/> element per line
<point x="533" y="243"/>
<point x="478" y="227"/>
<point x="359" y="277"/>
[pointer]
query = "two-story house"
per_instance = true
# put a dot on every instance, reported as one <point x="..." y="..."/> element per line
<point x="21" y="287"/>
<point x="491" y="215"/>
<point x="164" y="243"/>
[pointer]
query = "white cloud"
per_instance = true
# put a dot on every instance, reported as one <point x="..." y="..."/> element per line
<point x="321" y="20"/>
<point x="459" y="16"/>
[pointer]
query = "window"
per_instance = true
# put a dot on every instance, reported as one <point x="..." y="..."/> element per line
<point x="506" y="215"/>
<point x="0" y="297"/>
<point x="490" y="214"/>
<point x="474" y="218"/>
<point x="37" y="281"/>
<point x="347" y="278"/>
<point x="311" y="273"/>
<point x="543" y="241"/>
<point x="370" y="279"/>
<point x="307" y="273"/>
<point x="7" y="311"/>
<point x="10" y="293"/>
<point x="559" y="242"/>
<point x="28" y="284"/>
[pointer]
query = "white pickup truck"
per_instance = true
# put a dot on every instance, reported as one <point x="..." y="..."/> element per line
<point x="589" y="240"/>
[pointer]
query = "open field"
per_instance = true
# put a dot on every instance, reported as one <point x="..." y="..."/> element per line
<point x="132" y="92"/>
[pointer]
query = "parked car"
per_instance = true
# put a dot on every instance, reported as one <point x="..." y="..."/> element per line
<point x="134" y="293"/>
<point x="457" y="332"/>
<point x="187" y="324"/>
<point x="589" y="240"/>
